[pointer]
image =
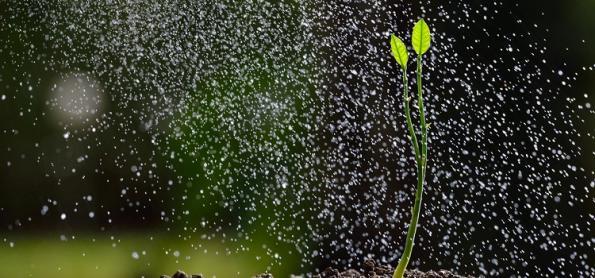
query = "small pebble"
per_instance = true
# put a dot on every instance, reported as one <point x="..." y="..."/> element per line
<point x="180" y="274"/>
<point x="264" y="275"/>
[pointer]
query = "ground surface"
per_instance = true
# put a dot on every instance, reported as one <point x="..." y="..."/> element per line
<point x="375" y="270"/>
<point x="370" y="269"/>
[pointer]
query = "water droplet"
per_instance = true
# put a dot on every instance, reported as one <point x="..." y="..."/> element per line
<point x="44" y="210"/>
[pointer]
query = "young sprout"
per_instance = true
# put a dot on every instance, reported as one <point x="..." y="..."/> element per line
<point x="420" y="40"/>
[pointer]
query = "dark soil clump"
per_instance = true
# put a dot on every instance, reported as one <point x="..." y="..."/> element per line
<point x="182" y="274"/>
<point x="373" y="270"/>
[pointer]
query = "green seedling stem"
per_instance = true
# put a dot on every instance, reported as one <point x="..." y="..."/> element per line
<point x="421" y="43"/>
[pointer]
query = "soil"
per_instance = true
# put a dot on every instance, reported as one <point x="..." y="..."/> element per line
<point x="370" y="270"/>
<point x="373" y="270"/>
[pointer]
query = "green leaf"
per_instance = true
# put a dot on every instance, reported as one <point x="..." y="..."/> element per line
<point x="421" y="37"/>
<point x="399" y="51"/>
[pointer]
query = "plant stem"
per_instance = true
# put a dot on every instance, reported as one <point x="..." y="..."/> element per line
<point x="422" y="116"/>
<point x="421" y="172"/>
<point x="410" y="127"/>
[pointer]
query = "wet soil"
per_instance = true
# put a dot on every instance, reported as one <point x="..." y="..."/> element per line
<point x="369" y="269"/>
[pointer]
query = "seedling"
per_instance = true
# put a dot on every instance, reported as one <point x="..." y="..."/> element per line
<point x="420" y="40"/>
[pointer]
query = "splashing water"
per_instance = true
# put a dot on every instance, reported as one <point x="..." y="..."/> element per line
<point x="281" y="120"/>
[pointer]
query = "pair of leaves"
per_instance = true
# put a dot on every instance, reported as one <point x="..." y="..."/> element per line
<point x="420" y="40"/>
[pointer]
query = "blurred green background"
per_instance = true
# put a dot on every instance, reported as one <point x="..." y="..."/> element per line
<point x="136" y="228"/>
<point x="114" y="185"/>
